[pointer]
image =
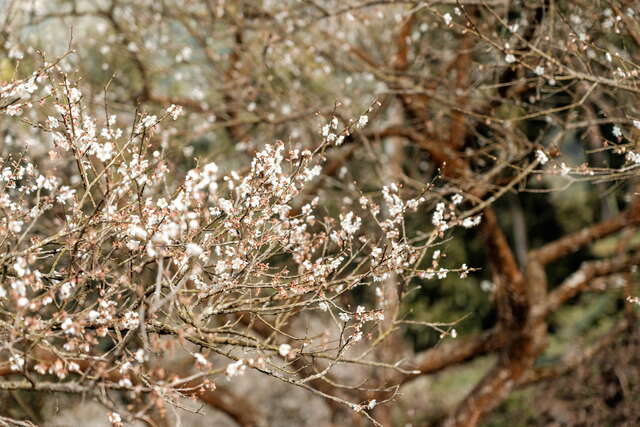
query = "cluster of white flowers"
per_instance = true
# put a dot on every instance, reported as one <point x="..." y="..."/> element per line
<point x="236" y="368"/>
<point x="104" y="151"/>
<point x="329" y="132"/>
<point x="350" y="223"/>
<point x="131" y="320"/>
<point x="174" y="111"/>
<point x="74" y="94"/>
<point x="193" y="250"/>
<point x="16" y="362"/>
<point x="207" y="241"/>
<point x="541" y="157"/>
<point x="104" y="314"/>
<point x="147" y="122"/>
<point x="438" y="218"/>
<point x="464" y="271"/>
<point x="633" y="157"/>
<point x="564" y="169"/>
<point x="472" y="221"/>
<point x="64" y="194"/>
<point x="617" y="132"/>
<point x="284" y="350"/>
<point x="201" y="360"/>
<point x="68" y="326"/>
<point x="345" y="317"/>
<point x="115" y="419"/>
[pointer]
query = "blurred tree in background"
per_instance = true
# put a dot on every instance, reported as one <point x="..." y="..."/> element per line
<point x="510" y="127"/>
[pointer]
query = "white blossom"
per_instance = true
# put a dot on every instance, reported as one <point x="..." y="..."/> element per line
<point x="52" y="122"/>
<point x="174" y="111"/>
<point x="137" y="232"/>
<point x="541" y="157"/>
<point x="114" y="418"/>
<point x="350" y="223"/>
<point x="236" y="368"/>
<point x="284" y="350"/>
<point x="438" y="217"/>
<point x="464" y="271"/>
<point x="633" y="157"/>
<point x="471" y="221"/>
<point x="193" y="250"/>
<point x="15" y="226"/>
<point x="200" y="359"/>
<point x="139" y="356"/>
<point x="14" y="110"/>
<point x="617" y="132"/>
<point x="148" y="121"/>
<point x="16" y="362"/>
<point x="64" y="194"/>
<point x="74" y="95"/>
<point x="131" y="320"/>
<point x="104" y="151"/>
<point x="238" y="264"/>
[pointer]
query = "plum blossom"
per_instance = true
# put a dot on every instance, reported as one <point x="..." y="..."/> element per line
<point x="541" y="157"/>
<point x="284" y="350"/>
<point x="236" y="368"/>
<point x="193" y="250"/>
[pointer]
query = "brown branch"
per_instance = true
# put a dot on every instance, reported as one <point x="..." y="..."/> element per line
<point x="527" y="340"/>
<point x="455" y="352"/>
<point x="496" y="384"/>
<point x="510" y="283"/>
<point x="237" y="408"/>
<point x="581" y="278"/>
<point x="303" y="368"/>
<point x="462" y="63"/>
<point x="187" y="103"/>
<point x="572" y="360"/>
<point x="450" y="162"/>
<point x="573" y="242"/>
<point x="221" y="398"/>
<point x="629" y="23"/>
<point x="236" y="132"/>
<point x="363" y="56"/>
<point x="401" y="61"/>
<point x="55" y="387"/>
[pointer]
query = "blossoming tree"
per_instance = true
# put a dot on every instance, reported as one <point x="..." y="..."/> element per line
<point x="277" y="186"/>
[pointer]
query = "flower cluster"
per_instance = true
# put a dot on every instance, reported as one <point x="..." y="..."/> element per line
<point x="119" y="246"/>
